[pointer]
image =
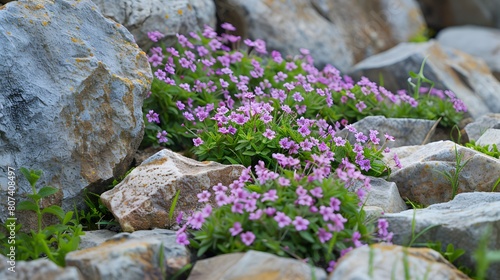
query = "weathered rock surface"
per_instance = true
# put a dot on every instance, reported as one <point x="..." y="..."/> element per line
<point x="324" y="27"/>
<point x="421" y="181"/>
<point x="95" y="238"/>
<point x="387" y="262"/>
<point x="168" y="17"/>
<point x="382" y="194"/>
<point x="467" y="76"/>
<point x="461" y="222"/>
<point x="486" y="46"/>
<point x="142" y="200"/>
<point x="72" y="88"/>
<point x="253" y="265"/>
<point x="41" y="269"/>
<point x="477" y="128"/>
<point x="407" y="132"/>
<point x="490" y="137"/>
<point x="132" y="256"/>
<point x="441" y="14"/>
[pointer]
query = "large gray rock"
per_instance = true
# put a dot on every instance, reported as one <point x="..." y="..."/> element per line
<point x="168" y="17"/>
<point x="132" y="256"/>
<point x="421" y="179"/>
<point x="143" y="199"/>
<point x="468" y="77"/>
<point x="407" y="132"/>
<point x="462" y="222"/>
<point x="72" y="88"/>
<point x="254" y="265"/>
<point x="41" y="269"/>
<point x="325" y="27"/>
<point x="382" y="194"/>
<point x="384" y="261"/>
<point x="441" y="14"/>
<point x="477" y="128"/>
<point x="486" y="43"/>
<point x="95" y="238"/>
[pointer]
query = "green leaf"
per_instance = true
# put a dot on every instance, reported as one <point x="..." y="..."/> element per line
<point x="67" y="217"/>
<point x="31" y="175"/>
<point x="55" y="210"/>
<point x="174" y="203"/>
<point x="307" y="236"/>
<point x="27" y="205"/>
<point x="203" y="249"/>
<point x="46" y="191"/>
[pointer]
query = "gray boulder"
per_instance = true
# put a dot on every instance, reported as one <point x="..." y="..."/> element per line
<point x="462" y="222"/>
<point x="36" y="269"/>
<point x="421" y="179"/>
<point x="490" y="137"/>
<point x="168" y="17"/>
<point x="406" y="132"/>
<point x="382" y="194"/>
<point x="477" y="128"/>
<point x="486" y="43"/>
<point x="468" y="77"/>
<point x="72" y="86"/>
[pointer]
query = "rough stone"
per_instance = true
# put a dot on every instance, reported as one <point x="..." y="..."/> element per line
<point x="132" y="256"/>
<point x="490" y="137"/>
<point x="253" y="265"/>
<point x="486" y="46"/>
<point x="421" y="179"/>
<point x="407" y="132"/>
<point x="324" y="27"/>
<point x="477" y="128"/>
<point x="168" y="17"/>
<point x="41" y="269"/>
<point x="462" y="222"/>
<point x="382" y="194"/>
<point x="467" y="76"/>
<point x="387" y="262"/>
<point x="72" y="85"/>
<point x="441" y="14"/>
<point x="94" y="238"/>
<point x="142" y="200"/>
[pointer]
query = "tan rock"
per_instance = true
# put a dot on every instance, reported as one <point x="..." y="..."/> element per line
<point x="383" y="261"/>
<point x="143" y="199"/>
<point x="253" y="265"/>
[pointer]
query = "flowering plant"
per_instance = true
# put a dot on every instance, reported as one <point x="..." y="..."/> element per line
<point x="206" y="75"/>
<point x="306" y="215"/>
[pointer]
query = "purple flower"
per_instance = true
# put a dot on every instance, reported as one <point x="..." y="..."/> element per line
<point x="221" y="199"/>
<point x="182" y="239"/>
<point x="355" y="239"/>
<point x="153" y="117"/>
<point x="155" y="60"/>
<point x="324" y="235"/>
<point x="247" y="238"/>
<point x="338" y="222"/>
<point x="389" y="137"/>
<point x="282" y="219"/>
<point x="339" y="141"/>
<point x="300" y="223"/>
<point x="396" y="160"/>
<point x="335" y="203"/>
<point x="197" y="220"/>
<point x="197" y="141"/>
<point x="256" y="215"/>
<point x="155" y="36"/>
<point x="227" y="26"/>
<point x="365" y="164"/>
<point x="276" y="56"/>
<point x="360" y="137"/>
<point x="203" y="196"/>
<point x="206" y="211"/>
<point x="317" y="192"/>
<point x="269" y="134"/>
<point x="180" y="105"/>
<point x="269" y="196"/>
<point x="236" y="229"/>
<point x="361" y="106"/>
<point x="283" y="182"/>
<point x="270" y="211"/>
<point x="162" y="137"/>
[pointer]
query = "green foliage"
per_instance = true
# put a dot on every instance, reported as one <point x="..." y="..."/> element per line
<point x="96" y="216"/>
<point x="453" y="177"/>
<point x="491" y="150"/>
<point x="53" y="241"/>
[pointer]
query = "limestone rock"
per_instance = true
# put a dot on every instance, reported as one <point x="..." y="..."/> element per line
<point x="132" y="256"/>
<point x="477" y="128"/>
<point x="41" y="269"/>
<point x="94" y="238"/>
<point x="142" y="200"/>
<point x="72" y="88"/>
<point x="168" y="17"/>
<point x="387" y="263"/>
<point x="382" y="194"/>
<point x="461" y="222"/>
<point x="407" y="132"/>
<point x="442" y="14"/>
<point x="421" y="180"/>
<point x="468" y="77"/>
<point x="253" y="265"/>
<point x="486" y="46"/>
<point x="490" y="137"/>
<point x="325" y="27"/>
